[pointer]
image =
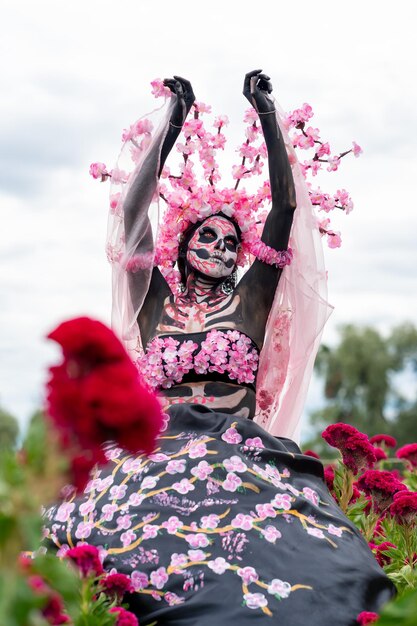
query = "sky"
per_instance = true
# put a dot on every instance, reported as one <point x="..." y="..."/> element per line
<point x="74" y="74"/>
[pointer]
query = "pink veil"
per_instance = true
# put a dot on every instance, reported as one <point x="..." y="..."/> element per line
<point x="300" y="307"/>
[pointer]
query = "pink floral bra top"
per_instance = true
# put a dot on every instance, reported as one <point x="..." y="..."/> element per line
<point x="171" y="360"/>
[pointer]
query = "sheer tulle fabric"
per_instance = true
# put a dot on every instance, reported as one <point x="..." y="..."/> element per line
<point x="300" y="307"/>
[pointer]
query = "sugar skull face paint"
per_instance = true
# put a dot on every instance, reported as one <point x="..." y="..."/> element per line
<point x="213" y="248"/>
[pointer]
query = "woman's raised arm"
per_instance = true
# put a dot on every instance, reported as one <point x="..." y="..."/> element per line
<point x="257" y="287"/>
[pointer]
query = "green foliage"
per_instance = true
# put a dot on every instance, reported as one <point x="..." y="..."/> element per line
<point x="401" y="611"/>
<point x="9" y="431"/>
<point x="359" y="382"/>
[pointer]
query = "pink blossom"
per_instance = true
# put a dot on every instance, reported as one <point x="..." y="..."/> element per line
<point x="118" y="176"/>
<point x="282" y="501"/>
<point x="265" y="510"/>
<point x="173" y="599"/>
<point x="221" y="120"/>
<point x="173" y="524"/>
<point x="98" y="170"/>
<point x="135" y="499"/>
<point x="250" y="116"/>
<point x="334" y="530"/>
<point x="176" y="466"/>
<point x="197" y="450"/>
<point x="210" y="521"/>
<point x="231" y="435"/>
<point x="108" y="511"/>
<point x="149" y="482"/>
<point x="255" y="442"/>
<point x="271" y="534"/>
<point x="124" y="522"/>
<point x="159" y="89"/>
<point x="139" y="580"/>
<point x="235" y="464"/>
<point x="159" y="577"/>
<point x="232" y="482"/>
<point x="323" y="150"/>
<point x="196" y="555"/>
<point x="202" y="470"/>
<point x="177" y="560"/>
<point x="201" y="107"/>
<point x="357" y="150"/>
<point x="255" y="600"/>
<point x="334" y="239"/>
<point x="64" y="511"/>
<point x="199" y="540"/>
<point x="114" y="201"/>
<point x="315" y="532"/>
<point x="245" y="522"/>
<point x="127" y="538"/>
<point x="150" y="531"/>
<point x="248" y="575"/>
<point x="333" y="164"/>
<point x="219" y="565"/>
<point x="279" y="588"/>
<point x="311" y="495"/>
<point x="84" y="530"/>
<point x="184" y="486"/>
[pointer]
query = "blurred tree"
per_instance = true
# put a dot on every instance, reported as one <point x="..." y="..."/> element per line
<point x="360" y="377"/>
<point x="9" y="430"/>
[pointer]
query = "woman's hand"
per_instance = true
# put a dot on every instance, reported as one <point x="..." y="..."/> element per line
<point x="256" y="89"/>
<point x="182" y="89"/>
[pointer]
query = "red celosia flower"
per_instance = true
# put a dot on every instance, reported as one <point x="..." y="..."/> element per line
<point x="53" y="611"/>
<point x="380" y="454"/>
<point x="96" y="395"/>
<point x="382" y="558"/>
<point x="389" y="441"/>
<point x="311" y="453"/>
<point x="116" y="585"/>
<point x="409" y="453"/>
<point x="329" y="476"/>
<point x="381" y="485"/>
<point x="124" y="618"/>
<point x="87" y="559"/>
<point x="357" y="452"/>
<point x="355" y="493"/>
<point x="404" y="507"/>
<point x="367" y="617"/>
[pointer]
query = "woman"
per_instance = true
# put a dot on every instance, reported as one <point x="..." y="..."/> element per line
<point x="224" y="521"/>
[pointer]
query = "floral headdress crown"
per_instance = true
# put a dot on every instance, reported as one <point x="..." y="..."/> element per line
<point x="189" y="202"/>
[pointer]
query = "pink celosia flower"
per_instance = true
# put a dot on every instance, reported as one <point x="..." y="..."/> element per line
<point x="367" y="617"/>
<point x="357" y="452"/>
<point x="87" y="559"/>
<point x="408" y="453"/>
<point x="404" y="508"/>
<point x="389" y="441"/>
<point x="116" y="585"/>
<point x="381" y="485"/>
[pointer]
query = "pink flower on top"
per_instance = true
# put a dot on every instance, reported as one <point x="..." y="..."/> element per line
<point x="177" y="560"/>
<point x="323" y="150"/>
<point x="118" y="491"/>
<point x="199" y="540"/>
<point x="231" y="435"/>
<point x="235" y="464"/>
<point x="196" y="555"/>
<point x="202" y="470"/>
<point x="232" y="482"/>
<point x="159" y="89"/>
<point x="221" y="120"/>
<point x="334" y="163"/>
<point x="219" y="565"/>
<point x="315" y="532"/>
<point x="173" y="524"/>
<point x="123" y="522"/>
<point x="357" y="150"/>
<point x="389" y="441"/>
<point x="64" y="511"/>
<point x="255" y="442"/>
<point x="265" y="510"/>
<point x="245" y="522"/>
<point x="176" y="466"/>
<point x="279" y="588"/>
<point x="311" y="495"/>
<point x="250" y="116"/>
<point x="367" y="617"/>
<point x="248" y="574"/>
<point x="184" y="486"/>
<point x="139" y="580"/>
<point x="255" y="600"/>
<point x="334" y="239"/>
<point x="409" y="454"/>
<point x="150" y="531"/>
<point x="197" y="450"/>
<point x="271" y="534"/>
<point x="210" y="521"/>
<point x="159" y="577"/>
<point x="127" y="538"/>
<point x="99" y="170"/>
<point x="282" y="501"/>
<point x="334" y="530"/>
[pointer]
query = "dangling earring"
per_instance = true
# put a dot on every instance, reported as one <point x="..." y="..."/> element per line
<point x="229" y="284"/>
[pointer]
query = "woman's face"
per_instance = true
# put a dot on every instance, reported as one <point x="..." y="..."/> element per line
<point x="213" y="248"/>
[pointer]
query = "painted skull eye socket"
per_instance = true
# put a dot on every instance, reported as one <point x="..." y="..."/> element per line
<point x="231" y="243"/>
<point x="207" y="234"/>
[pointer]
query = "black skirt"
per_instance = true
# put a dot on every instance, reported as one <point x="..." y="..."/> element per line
<point x="224" y="524"/>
